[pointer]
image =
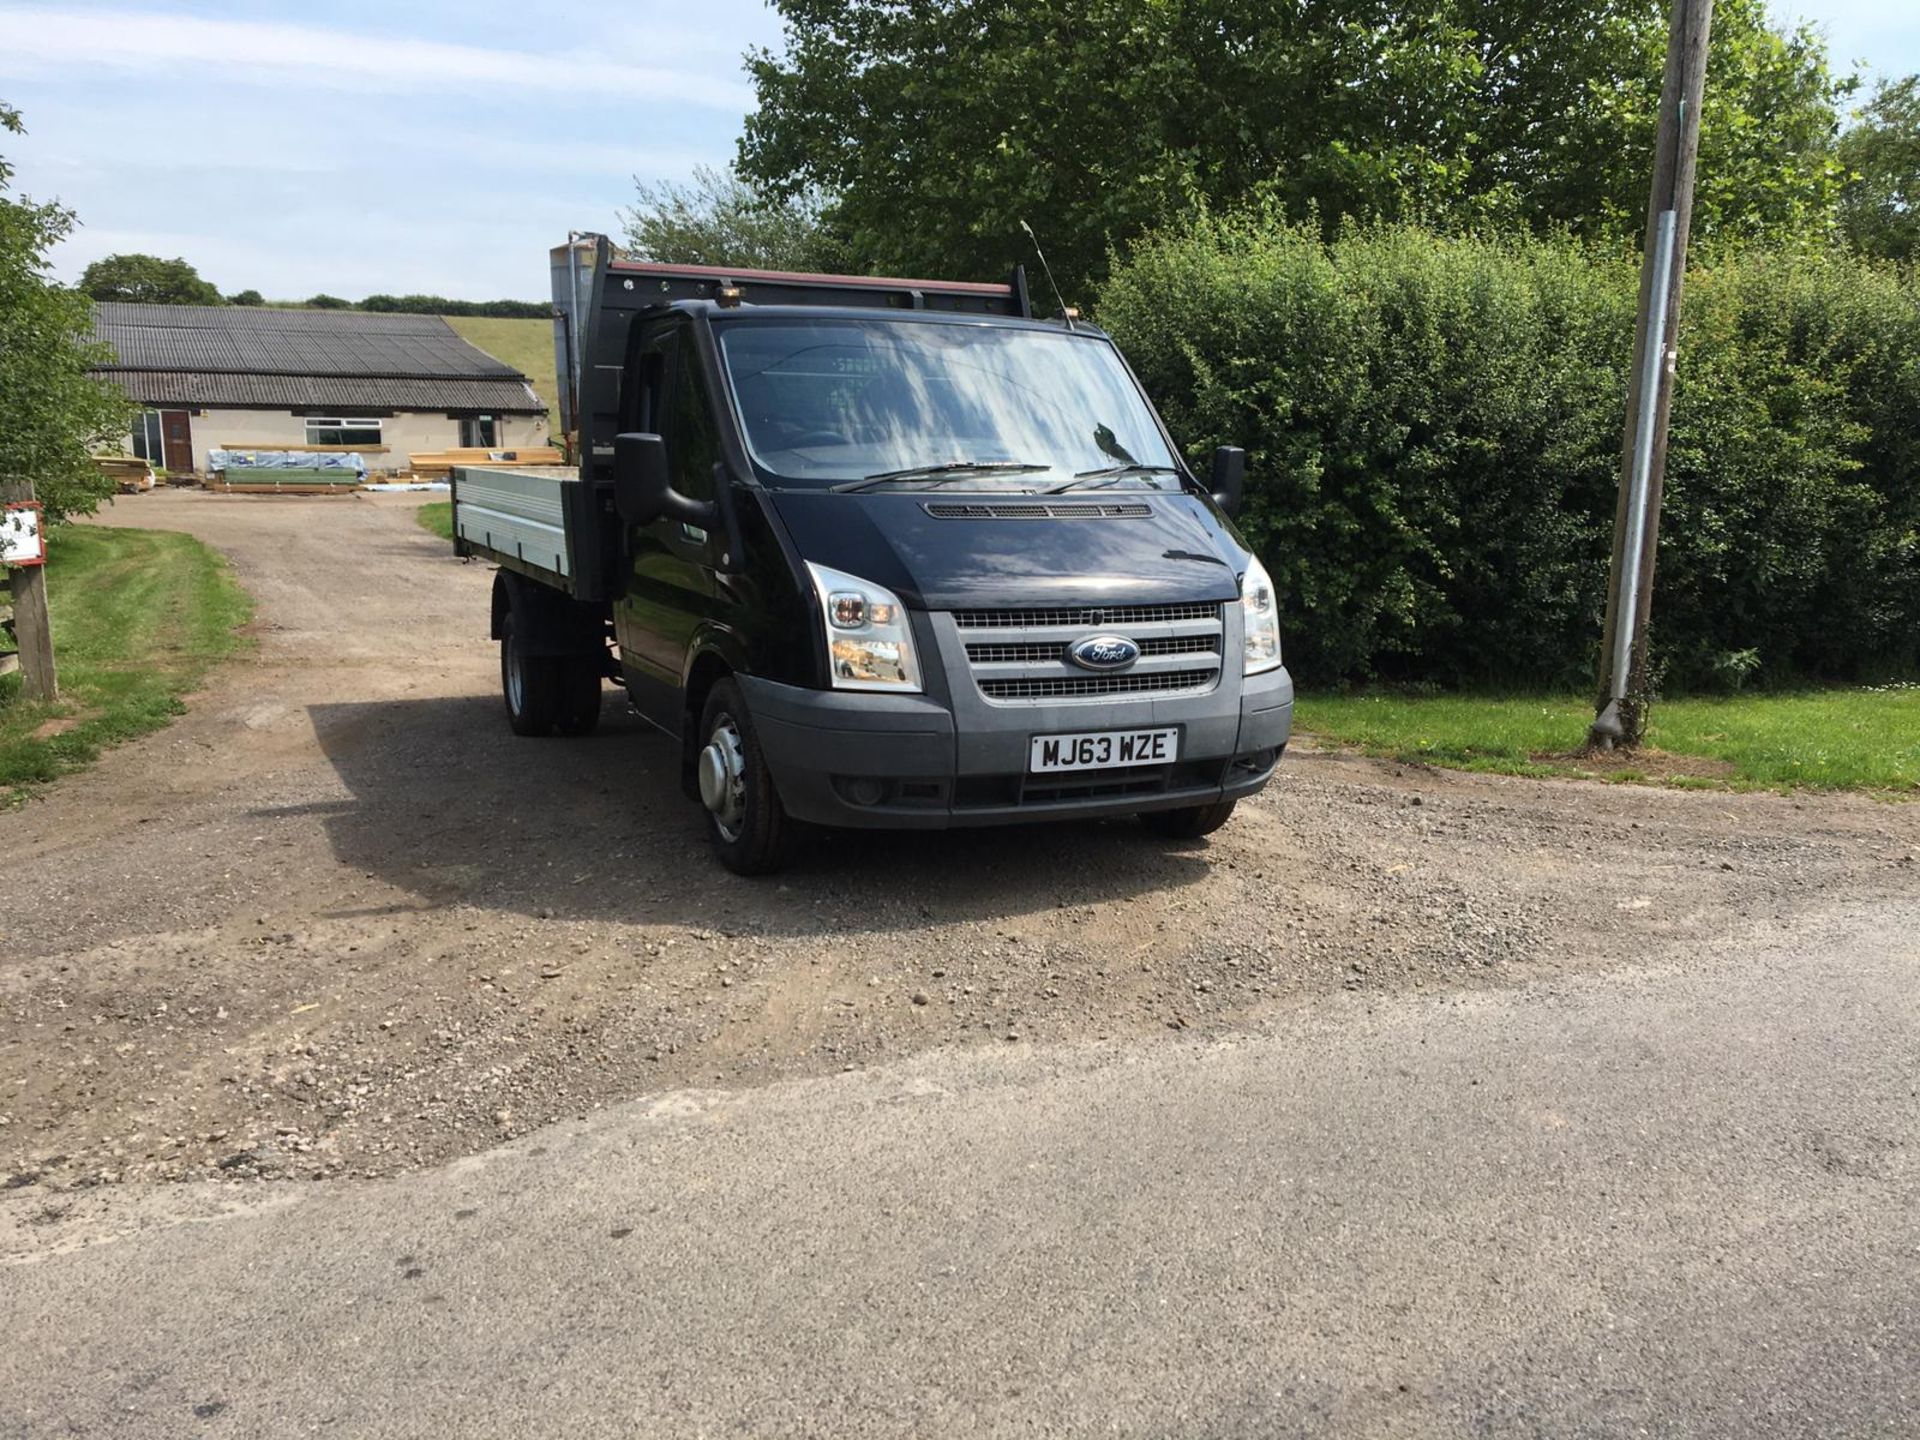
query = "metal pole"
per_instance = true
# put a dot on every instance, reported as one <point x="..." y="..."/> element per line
<point x="1625" y="690"/>
<point x="1640" y="473"/>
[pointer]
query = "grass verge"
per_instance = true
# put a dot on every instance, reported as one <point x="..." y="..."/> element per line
<point x="527" y="345"/>
<point x="1858" y="739"/>
<point x="436" y="517"/>
<point x="139" y="617"/>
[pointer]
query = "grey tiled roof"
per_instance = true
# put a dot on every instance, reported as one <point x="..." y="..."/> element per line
<point x="242" y="356"/>
<point x="358" y="393"/>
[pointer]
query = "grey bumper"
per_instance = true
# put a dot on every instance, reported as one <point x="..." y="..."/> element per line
<point x="952" y="758"/>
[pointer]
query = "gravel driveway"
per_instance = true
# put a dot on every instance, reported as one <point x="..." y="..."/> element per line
<point x="337" y="921"/>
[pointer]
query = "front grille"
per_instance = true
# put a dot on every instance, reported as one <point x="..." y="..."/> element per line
<point x="1039" y="510"/>
<point x="1024" y="656"/>
<point x="1082" y="687"/>
<point x="1039" y="652"/>
<point x="1091" y="616"/>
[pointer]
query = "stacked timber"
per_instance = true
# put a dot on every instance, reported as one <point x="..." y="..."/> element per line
<point x="284" y="472"/>
<point x="129" y="474"/>
<point x="438" y="464"/>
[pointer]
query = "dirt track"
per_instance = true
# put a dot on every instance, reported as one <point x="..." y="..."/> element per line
<point x="337" y="921"/>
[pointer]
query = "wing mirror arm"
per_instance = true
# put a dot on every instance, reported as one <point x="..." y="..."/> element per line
<point x="1229" y="477"/>
<point x="643" y="491"/>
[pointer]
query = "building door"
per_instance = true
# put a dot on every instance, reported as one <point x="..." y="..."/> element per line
<point x="477" y="433"/>
<point x="176" y="436"/>
<point x="146" y="438"/>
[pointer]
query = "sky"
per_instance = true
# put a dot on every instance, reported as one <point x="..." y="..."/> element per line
<point x="423" y="147"/>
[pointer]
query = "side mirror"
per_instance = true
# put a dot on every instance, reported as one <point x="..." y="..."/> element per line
<point x="1229" y="477"/>
<point x="642" y="490"/>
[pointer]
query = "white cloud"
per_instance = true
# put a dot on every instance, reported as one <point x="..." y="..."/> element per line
<point x="38" y="41"/>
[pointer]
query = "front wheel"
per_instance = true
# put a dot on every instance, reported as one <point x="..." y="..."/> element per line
<point x="1189" y="822"/>
<point x="750" y="829"/>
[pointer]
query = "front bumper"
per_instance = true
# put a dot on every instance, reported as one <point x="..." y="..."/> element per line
<point x="951" y="758"/>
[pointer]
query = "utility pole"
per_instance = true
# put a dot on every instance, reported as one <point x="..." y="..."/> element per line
<point x="1624" y="690"/>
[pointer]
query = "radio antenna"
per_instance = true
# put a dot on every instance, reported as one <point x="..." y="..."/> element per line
<point x="1067" y="312"/>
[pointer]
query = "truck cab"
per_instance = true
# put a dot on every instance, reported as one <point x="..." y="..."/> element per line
<point x="878" y="553"/>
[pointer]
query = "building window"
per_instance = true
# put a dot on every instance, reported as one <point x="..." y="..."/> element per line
<point x="478" y="432"/>
<point x="342" y="432"/>
<point x="147" y="444"/>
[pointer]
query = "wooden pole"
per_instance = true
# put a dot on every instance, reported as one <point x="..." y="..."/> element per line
<point x="1625" y="690"/>
<point x="32" y="625"/>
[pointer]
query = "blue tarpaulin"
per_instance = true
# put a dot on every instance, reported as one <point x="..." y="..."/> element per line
<point x="283" y="460"/>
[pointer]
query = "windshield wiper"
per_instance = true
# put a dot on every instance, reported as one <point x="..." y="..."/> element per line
<point x="953" y="469"/>
<point x="1110" y="475"/>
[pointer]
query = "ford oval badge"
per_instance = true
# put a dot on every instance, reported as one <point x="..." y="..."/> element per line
<point x="1103" y="652"/>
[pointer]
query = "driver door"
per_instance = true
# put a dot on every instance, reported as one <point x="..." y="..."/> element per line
<point x="670" y="588"/>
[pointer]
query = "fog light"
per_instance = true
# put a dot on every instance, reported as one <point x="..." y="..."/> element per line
<point x="865" y="791"/>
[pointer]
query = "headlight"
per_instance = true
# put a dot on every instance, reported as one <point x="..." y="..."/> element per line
<point x="869" y="645"/>
<point x="1260" y="612"/>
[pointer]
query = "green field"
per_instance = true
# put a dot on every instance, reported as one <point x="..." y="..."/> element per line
<point x="436" y="517"/>
<point x="527" y="345"/>
<point x="139" y="617"/>
<point x="1822" y="739"/>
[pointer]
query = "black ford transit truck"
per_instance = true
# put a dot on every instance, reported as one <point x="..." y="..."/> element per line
<point x="877" y="553"/>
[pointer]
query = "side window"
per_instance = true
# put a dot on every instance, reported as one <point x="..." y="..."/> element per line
<point x="642" y="404"/>
<point x="693" y="442"/>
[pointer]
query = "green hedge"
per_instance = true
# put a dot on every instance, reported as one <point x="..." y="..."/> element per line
<point x="1433" y="427"/>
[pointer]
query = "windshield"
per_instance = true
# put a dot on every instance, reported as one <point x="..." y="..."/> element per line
<point x="892" y="404"/>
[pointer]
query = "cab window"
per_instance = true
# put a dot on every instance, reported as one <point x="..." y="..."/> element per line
<point x="693" y="442"/>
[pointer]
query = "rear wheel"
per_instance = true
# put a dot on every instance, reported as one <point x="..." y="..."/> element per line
<point x="1189" y="822"/>
<point x="750" y="829"/>
<point x="578" y="708"/>
<point x="529" y="683"/>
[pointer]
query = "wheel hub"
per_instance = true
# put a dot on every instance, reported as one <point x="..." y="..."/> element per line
<point x="516" y="681"/>
<point x="723" y="777"/>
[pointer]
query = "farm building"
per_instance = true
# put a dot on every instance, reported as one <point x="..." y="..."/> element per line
<point x="230" y="377"/>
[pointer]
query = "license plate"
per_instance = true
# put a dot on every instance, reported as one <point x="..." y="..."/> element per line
<point x="1103" y="749"/>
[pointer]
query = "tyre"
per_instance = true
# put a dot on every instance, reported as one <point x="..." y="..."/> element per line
<point x="749" y="827"/>
<point x="530" y="684"/>
<point x="1189" y="823"/>
<point x="578" y="710"/>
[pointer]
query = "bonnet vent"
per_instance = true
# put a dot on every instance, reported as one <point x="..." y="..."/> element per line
<point x="1040" y="510"/>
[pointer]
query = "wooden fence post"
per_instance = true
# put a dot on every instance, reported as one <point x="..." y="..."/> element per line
<point x="32" y="625"/>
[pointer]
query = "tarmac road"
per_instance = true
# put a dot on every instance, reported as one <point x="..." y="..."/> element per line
<point x="1666" y="1200"/>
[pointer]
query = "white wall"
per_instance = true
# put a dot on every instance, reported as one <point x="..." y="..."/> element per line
<point x="402" y="434"/>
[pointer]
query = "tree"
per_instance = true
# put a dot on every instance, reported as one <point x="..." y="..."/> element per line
<point x="324" y="301"/>
<point x="1880" y="207"/>
<point x="149" y="280"/>
<point x="54" y="409"/>
<point x="939" y="126"/>
<point x="247" y="297"/>
<point x="1565" y="108"/>
<point x="441" y="305"/>
<point x="721" y="219"/>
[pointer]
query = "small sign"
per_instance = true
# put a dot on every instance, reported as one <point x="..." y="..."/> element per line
<point x="21" y="542"/>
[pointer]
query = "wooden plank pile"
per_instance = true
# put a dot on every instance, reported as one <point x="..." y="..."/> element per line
<point x="438" y="464"/>
<point x="284" y="482"/>
<point x="302" y="471"/>
<point x="130" y="475"/>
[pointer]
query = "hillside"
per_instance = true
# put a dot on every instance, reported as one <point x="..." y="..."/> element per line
<point x="527" y="345"/>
